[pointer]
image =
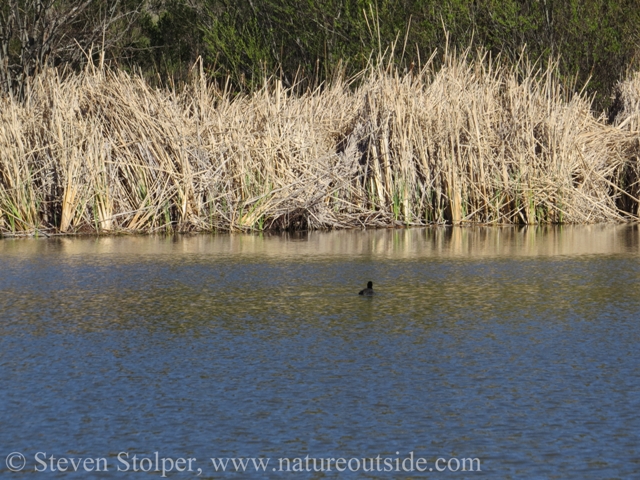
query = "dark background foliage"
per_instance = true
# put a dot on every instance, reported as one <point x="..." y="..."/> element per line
<point x="306" y="42"/>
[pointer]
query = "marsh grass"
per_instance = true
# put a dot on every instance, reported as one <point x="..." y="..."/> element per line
<point x="471" y="141"/>
<point x="627" y="120"/>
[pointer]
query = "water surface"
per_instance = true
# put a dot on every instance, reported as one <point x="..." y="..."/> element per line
<point x="518" y="347"/>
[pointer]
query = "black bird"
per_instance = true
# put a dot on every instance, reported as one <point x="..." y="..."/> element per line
<point x="367" y="291"/>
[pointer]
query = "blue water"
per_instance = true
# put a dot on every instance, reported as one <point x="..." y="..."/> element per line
<point x="518" y="349"/>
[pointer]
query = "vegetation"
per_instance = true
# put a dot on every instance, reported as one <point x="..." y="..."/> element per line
<point x="305" y="42"/>
<point x="473" y="140"/>
<point x="139" y="116"/>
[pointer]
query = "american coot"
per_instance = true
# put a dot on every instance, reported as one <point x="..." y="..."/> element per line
<point x="367" y="291"/>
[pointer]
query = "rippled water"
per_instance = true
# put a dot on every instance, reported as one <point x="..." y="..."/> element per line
<point x="518" y="347"/>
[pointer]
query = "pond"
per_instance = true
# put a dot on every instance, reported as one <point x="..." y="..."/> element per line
<point x="485" y="353"/>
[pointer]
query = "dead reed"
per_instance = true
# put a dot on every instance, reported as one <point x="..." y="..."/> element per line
<point x="473" y="141"/>
<point x="627" y="119"/>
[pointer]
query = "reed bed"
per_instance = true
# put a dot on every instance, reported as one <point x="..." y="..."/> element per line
<point x="472" y="141"/>
<point x="627" y="120"/>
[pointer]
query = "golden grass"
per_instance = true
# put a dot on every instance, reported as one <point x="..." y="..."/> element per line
<point x="628" y="120"/>
<point x="471" y="141"/>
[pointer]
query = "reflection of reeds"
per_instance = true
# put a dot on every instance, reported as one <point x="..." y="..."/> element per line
<point x="470" y="141"/>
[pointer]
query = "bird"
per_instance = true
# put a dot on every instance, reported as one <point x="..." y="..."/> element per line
<point x="367" y="291"/>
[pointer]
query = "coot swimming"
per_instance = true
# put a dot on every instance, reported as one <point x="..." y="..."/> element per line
<point x="367" y="291"/>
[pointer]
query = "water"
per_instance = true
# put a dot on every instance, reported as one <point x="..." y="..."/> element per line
<point x="516" y="347"/>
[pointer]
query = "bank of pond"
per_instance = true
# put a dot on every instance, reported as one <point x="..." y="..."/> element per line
<point x="472" y="141"/>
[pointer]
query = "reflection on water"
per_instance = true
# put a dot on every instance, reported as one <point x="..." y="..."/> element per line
<point x="515" y="346"/>
<point x="398" y="244"/>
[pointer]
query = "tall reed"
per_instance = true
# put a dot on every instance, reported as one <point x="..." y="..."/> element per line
<point x="627" y="119"/>
<point x="474" y="140"/>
